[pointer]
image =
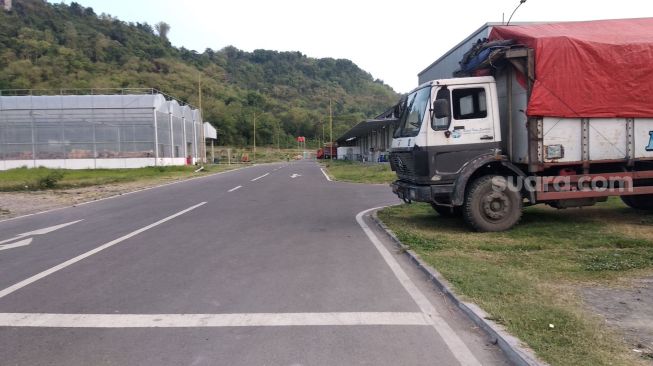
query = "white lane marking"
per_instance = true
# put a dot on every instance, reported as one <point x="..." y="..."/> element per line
<point x="257" y="178"/>
<point x="295" y="176"/>
<point x="125" y="194"/>
<point x="235" y="188"/>
<point x="21" y="243"/>
<point x="325" y="174"/>
<point x="457" y="347"/>
<point x="80" y="257"/>
<point x="207" y="320"/>
<point x="44" y="231"/>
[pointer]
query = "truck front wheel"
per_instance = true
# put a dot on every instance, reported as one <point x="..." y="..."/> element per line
<point x="491" y="204"/>
<point x="639" y="202"/>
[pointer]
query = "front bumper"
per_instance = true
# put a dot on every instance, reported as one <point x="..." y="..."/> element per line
<point x="422" y="193"/>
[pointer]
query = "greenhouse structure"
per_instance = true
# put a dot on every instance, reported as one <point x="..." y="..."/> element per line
<point x="98" y="131"/>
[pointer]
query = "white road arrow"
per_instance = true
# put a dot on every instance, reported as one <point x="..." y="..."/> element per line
<point x="21" y="243"/>
<point x="295" y="175"/>
<point x="48" y="230"/>
<point x="25" y="242"/>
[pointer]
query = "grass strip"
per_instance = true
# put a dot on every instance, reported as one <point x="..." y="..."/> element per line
<point x="528" y="278"/>
<point x="356" y="172"/>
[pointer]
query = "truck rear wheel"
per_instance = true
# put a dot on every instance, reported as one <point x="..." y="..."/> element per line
<point x="446" y="211"/>
<point x="490" y="205"/>
<point x="639" y="202"/>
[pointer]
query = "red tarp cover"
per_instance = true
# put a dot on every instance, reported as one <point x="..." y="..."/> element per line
<point x="589" y="69"/>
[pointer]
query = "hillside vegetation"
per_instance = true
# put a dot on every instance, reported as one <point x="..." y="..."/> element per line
<point x="60" y="46"/>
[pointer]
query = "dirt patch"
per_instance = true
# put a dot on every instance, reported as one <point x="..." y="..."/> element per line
<point x="14" y="204"/>
<point x="628" y="310"/>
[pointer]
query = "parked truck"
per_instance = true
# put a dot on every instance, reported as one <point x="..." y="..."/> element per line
<point x="328" y="151"/>
<point x="560" y="114"/>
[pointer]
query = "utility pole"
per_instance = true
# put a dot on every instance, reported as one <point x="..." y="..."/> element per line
<point x="330" y="128"/>
<point x="203" y="148"/>
<point x="278" y="144"/>
<point x="319" y="141"/>
<point x="254" y="157"/>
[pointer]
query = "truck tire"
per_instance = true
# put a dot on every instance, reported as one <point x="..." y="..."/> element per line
<point x="490" y="209"/>
<point x="446" y="211"/>
<point x="639" y="202"/>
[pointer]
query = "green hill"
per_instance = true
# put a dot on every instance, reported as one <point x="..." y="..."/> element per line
<point x="59" y="46"/>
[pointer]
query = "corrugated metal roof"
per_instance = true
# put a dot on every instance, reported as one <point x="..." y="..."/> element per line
<point x="365" y="127"/>
<point x="47" y="102"/>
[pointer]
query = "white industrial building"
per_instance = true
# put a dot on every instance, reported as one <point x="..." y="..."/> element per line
<point x="98" y="131"/>
<point x="368" y="141"/>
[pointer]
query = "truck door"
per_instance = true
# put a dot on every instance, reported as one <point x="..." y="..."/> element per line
<point x="466" y="132"/>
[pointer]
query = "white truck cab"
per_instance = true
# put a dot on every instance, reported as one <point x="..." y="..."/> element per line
<point x="451" y="121"/>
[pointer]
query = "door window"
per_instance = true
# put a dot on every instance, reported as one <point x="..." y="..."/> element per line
<point x="469" y="103"/>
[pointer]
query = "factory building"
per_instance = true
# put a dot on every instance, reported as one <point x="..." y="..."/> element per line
<point x="98" y="131"/>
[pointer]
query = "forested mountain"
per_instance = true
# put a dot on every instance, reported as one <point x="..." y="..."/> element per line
<point x="55" y="46"/>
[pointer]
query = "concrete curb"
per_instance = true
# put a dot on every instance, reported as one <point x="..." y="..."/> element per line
<point x="510" y="345"/>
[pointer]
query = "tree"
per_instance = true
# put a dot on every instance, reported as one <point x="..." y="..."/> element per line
<point x="59" y="45"/>
<point x="162" y="28"/>
<point x="70" y="35"/>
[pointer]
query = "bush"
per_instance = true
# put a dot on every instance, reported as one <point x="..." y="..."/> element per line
<point x="50" y="180"/>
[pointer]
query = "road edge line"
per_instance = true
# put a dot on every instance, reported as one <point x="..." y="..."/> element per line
<point x="325" y="174"/>
<point x="510" y="345"/>
<point x="124" y="194"/>
<point x="454" y="343"/>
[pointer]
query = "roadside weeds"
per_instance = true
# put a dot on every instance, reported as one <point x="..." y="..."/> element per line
<point x="529" y="279"/>
<point x="87" y="186"/>
<point x="356" y="172"/>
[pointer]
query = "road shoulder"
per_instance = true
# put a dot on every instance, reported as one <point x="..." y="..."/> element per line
<point x="513" y="349"/>
<point x="479" y="343"/>
<point x="19" y="204"/>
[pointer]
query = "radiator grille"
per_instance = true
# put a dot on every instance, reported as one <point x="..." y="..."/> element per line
<point x="403" y="164"/>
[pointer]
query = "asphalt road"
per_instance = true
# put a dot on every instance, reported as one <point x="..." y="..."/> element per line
<point x="267" y="265"/>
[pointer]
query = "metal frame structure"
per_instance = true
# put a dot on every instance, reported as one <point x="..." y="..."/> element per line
<point x="96" y="128"/>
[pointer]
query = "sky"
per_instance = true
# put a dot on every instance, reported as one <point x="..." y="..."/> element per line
<point x="392" y="40"/>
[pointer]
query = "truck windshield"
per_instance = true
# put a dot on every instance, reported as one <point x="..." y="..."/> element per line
<point x="411" y="119"/>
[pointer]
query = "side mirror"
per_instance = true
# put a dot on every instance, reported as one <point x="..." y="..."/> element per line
<point x="396" y="113"/>
<point x="441" y="109"/>
<point x="399" y="108"/>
